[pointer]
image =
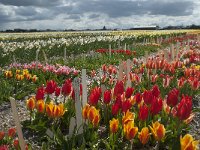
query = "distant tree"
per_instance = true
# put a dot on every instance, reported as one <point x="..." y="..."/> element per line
<point x="104" y="28"/>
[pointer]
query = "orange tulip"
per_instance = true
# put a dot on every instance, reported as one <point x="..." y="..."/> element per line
<point x="144" y="135"/>
<point x="188" y="143"/>
<point x="128" y="116"/>
<point x="129" y="130"/>
<point x="8" y="74"/>
<point x="27" y="76"/>
<point x="93" y="116"/>
<point x="96" y="120"/>
<point x="2" y="134"/>
<point x="34" y="78"/>
<point x="19" y="77"/>
<point x="158" y="130"/>
<point x="30" y="103"/>
<point x="114" y="125"/>
<point x="40" y="106"/>
<point x="85" y="111"/>
<point x="91" y="113"/>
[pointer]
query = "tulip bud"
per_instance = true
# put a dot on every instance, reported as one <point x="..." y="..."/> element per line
<point x="31" y="103"/>
<point x="107" y="96"/>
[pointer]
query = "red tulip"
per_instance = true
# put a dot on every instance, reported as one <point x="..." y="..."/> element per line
<point x="129" y="92"/>
<point x="156" y="106"/>
<point x="138" y="97"/>
<point x="143" y="112"/>
<point x="11" y="132"/>
<point x="81" y="89"/>
<point x="115" y="109"/>
<point x="40" y="93"/>
<point x="67" y="87"/>
<point x="126" y="105"/>
<point x="4" y="147"/>
<point x="95" y="96"/>
<point x="155" y="91"/>
<point x="172" y="97"/>
<point x="57" y="91"/>
<point x="184" y="108"/>
<point x="104" y="68"/>
<point x="51" y="86"/>
<point x="107" y="96"/>
<point x="119" y="100"/>
<point x="119" y="88"/>
<point x="148" y="97"/>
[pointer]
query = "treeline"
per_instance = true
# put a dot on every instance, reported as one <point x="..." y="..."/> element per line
<point x="193" y="26"/>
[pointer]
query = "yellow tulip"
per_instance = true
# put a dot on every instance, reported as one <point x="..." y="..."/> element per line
<point x="18" y="71"/>
<point x="129" y="130"/>
<point x="55" y="111"/>
<point x="114" y="125"/>
<point x="128" y="116"/>
<point x="61" y="110"/>
<point x="158" y="130"/>
<point x="49" y="109"/>
<point x="188" y="143"/>
<point x="25" y="71"/>
<point x="144" y="135"/>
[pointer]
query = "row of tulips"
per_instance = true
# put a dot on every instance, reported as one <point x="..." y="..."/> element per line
<point x="120" y="51"/>
<point x="21" y="75"/>
<point x="55" y="69"/>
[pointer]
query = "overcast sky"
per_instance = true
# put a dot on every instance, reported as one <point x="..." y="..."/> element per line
<point x="83" y="14"/>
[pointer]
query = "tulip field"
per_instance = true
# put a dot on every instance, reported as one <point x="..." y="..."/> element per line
<point x="100" y="90"/>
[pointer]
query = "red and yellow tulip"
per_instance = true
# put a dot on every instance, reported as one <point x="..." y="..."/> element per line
<point x="114" y="125"/>
<point x="158" y="130"/>
<point x="144" y="135"/>
<point x="188" y="143"/>
<point x="130" y="131"/>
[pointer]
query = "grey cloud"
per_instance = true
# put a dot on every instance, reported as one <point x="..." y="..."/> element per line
<point x="119" y="8"/>
<point x="92" y="16"/>
<point x="179" y="8"/>
<point x="41" y="3"/>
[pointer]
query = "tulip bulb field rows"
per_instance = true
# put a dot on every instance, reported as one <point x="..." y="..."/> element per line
<point x="101" y="90"/>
